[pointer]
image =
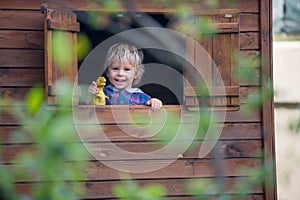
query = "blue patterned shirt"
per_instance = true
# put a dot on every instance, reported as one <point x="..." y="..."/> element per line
<point x="132" y="96"/>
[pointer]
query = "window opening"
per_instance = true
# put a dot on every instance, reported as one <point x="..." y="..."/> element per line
<point x="118" y="22"/>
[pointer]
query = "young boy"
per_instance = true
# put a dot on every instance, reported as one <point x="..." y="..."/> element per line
<point x="124" y="70"/>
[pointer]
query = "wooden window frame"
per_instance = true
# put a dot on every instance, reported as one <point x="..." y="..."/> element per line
<point x="221" y="69"/>
<point x="64" y="20"/>
<point x="221" y="98"/>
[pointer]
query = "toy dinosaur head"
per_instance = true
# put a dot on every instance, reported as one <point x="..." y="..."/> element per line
<point x="101" y="81"/>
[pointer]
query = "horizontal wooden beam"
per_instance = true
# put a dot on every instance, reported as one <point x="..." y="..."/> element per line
<point x="63" y="25"/>
<point x="228" y="91"/>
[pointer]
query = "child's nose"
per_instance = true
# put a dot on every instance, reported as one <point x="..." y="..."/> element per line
<point x="121" y="72"/>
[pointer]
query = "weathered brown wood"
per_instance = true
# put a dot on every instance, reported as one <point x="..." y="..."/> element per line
<point x="253" y="79"/>
<point x="216" y="91"/>
<point x="32" y="20"/>
<point x="188" y="71"/>
<point x="98" y="171"/>
<point x="174" y="187"/>
<point x="21" y="58"/>
<point x="243" y="5"/>
<point x="249" y="41"/>
<point x="249" y="22"/>
<point x="21" y="66"/>
<point x="21" y="20"/>
<point x="232" y="197"/>
<point x="119" y="114"/>
<point x="15" y="93"/>
<point x="268" y="105"/>
<point x="62" y="22"/>
<point x="21" y="39"/>
<point x="230" y="131"/>
<point x="108" y="152"/>
<point x="34" y="40"/>
<point x="133" y="133"/>
<point x="252" y="57"/>
<point x="21" y="77"/>
<point x="66" y="26"/>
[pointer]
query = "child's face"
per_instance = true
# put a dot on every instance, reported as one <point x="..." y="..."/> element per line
<point x="121" y="75"/>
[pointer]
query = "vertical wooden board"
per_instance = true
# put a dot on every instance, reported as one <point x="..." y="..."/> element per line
<point x="203" y="61"/>
<point x="58" y="22"/>
<point x="234" y="101"/>
<point x="268" y="102"/>
<point x="221" y="52"/>
<point x="189" y="70"/>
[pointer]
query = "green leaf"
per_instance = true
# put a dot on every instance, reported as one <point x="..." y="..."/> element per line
<point x="34" y="100"/>
<point x="84" y="46"/>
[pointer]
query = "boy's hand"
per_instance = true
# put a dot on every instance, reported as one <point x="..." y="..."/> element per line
<point x="93" y="88"/>
<point x="155" y="104"/>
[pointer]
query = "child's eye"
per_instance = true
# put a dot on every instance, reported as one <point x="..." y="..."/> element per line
<point x="115" y="68"/>
<point x="127" y="69"/>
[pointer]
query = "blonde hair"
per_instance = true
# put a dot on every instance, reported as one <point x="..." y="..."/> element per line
<point x="122" y="52"/>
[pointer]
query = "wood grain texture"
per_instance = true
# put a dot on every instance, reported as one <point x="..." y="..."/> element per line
<point x="21" y="39"/>
<point x="22" y="66"/>
<point x="85" y="113"/>
<point x="174" y="187"/>
<point x="21" y="77"/>
<point x="21" y="20"/>
<point x="33" y="20"/>
<point x="243" y="5"/>
<point x="12" y="58"/>
<point x="197" y="168"/>
<point x="109" y="152"/>
<point x="267" y="87"/>
<point x="14" y="93"/>
<point x="130" y="133"/>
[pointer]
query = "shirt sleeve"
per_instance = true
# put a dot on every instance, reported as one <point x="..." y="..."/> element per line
<point x="143" y="98"/>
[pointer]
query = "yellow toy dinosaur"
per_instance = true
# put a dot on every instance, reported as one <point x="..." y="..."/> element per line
<point x="100" y="97"/>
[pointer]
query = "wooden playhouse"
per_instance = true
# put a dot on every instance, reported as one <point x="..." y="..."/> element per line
<point x="245" y="27"/>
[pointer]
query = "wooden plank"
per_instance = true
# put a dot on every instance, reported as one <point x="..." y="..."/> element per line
<point x="243" y="5"/>
<point x="249" y="41"/>
<point x="222" y="50"/>
<point x="14" y="93"/>
<point x="189" y="71"/>
<point x="119" y="133"/>
<point x="119" y="114"/>
<point x="21" y="77"/>
<point x="231" y="197"/>
<point x="21" y="58"/>
<point x="253" y="79"/>
<point x="200" y="168"/>
<point x="64" y="19"/>
<point x="84" y="114"/>
<point x="109" y="152"/>
<point x="62" y="25"/>
<point x="227" y="27"/>
<point x="268" y="102"/>
<point x="18" y="93"/>
<point x="173" y="187"/>
<point x="21" y="39"/>
<point x="249" y="22"/>
<point x="252" y="57"/>
<point x="247" y="92"/>
<point x="215" y="91"/>
<point x="21" y="20"/>
<point x="33" y="20"/>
